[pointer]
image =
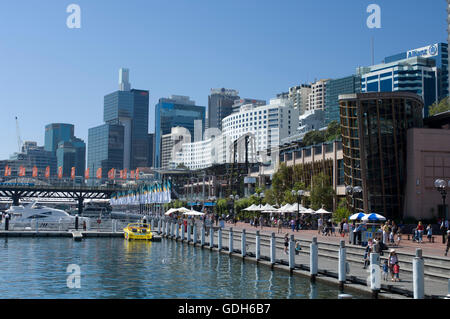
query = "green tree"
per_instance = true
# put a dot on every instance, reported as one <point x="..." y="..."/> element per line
<point x="342" y="211"/>
<point x="222" y="206"/>
<point x="322" y="192"/>
<point x="442" y="106"/>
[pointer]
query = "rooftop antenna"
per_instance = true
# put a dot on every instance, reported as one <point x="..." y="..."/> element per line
<point x="373" y="52"/>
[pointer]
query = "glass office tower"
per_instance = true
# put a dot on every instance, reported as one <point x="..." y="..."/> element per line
<point x="55" y="133"/>
<point x="374" y="127"/>
<point x="348" y="85"/>
<point x="172" y="112"/>
<point x="220" y="105"/>
<point x="105" y="148"/>
<point x="130" y="109"/>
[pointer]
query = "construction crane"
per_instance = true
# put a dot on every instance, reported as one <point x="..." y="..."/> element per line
<point x="19" y="139"/>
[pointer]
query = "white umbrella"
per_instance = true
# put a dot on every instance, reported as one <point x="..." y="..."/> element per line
<point x="268" y="208"/>
<point x="322" y="211"/>
<point x="193" y="213"/>
<point x="170" y="211"/>
<point x="251" y="208"/>
<point x="295" y="208"/>
<point x="373" y="218"/>
<point x="309" y="211"/>
<point x="183" y="210"/>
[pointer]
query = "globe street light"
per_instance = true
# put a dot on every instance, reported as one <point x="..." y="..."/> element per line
<point x="441" y="187"/>
<point x="298" y="194"/>
<point x="352" y="190"/>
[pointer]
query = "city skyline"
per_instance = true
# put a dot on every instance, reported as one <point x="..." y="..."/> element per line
<point x="71" y="74"/>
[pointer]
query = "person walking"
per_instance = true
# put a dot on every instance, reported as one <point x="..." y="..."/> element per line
<point x="429" y="233"/>
<point x="320" y="224"/>
<point x="345" y="228"/>
<point x="279" y="225"/>
<point x="261" y="222"/>
<point x="444" y="229"/>
<point x="448" y="243"/>
<point x="292" y="222"/>
<point x="286" y="243"/>
<point x="392" y="260"/>
<point x="420" y="232"/>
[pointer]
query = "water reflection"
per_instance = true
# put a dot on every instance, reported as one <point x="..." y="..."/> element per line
<point x="116" y="268"/>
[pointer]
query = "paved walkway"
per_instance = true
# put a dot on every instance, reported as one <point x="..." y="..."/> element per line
<point x="407" y="246"/>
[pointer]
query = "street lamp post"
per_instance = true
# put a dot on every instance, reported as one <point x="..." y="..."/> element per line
<point x="298" y="194"/>
<point x="234" y="198"/>
<point x="260" y="196"/>
<point x="352" y="190"/>
<point x="441" y="187"/>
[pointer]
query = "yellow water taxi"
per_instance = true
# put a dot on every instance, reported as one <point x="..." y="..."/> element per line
<point x="138" y="231"/>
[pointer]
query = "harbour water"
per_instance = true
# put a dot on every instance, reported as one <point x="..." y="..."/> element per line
<point x="115" y="268"/>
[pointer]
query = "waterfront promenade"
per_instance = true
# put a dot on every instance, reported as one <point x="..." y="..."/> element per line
<point x="437" y="266"/>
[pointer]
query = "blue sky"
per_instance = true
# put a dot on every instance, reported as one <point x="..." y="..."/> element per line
<point x="51" y="73"/>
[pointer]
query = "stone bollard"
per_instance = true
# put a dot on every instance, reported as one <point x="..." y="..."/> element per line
<point x="342" y="269"/>
<point x="291" y="253"/>
<point x="153" y="223"/>
<point x="314" y="259"/>
<point x="375" y="274"/>
<point x="182" y="233"/>
<point x="194" y="234"/>
<point x="230" y="241"/>
<point x="418" y="275"/>
<point x="159" y="226"/>
<point x="174" y="224"/>
<point x="211" y="237"/>
<point x="202" y="239"/>
<point x="243" y="244"/>
<point x="219" y="239"/>
<point x="166" y="228"/>
<point x="272" y="249"/>
<point x="177" y="233"/>
<point x="448" y="290"/>
<point x="258" y="246"/>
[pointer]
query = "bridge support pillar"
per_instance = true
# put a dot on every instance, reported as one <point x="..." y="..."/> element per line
<point x="16" y="199"/>
<point x="80" y="206"/>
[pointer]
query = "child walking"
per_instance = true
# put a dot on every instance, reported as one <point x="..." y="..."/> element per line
<point x="385" y="270"/>
<point x="396" y="272"/>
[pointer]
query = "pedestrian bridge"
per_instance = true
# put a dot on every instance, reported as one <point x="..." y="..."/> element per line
<point x="30" y="191"/>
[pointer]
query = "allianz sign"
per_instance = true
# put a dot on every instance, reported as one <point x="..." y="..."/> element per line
<point x="425" y="52"/>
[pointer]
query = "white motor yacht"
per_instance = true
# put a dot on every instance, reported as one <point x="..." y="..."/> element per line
<point x="36" y="211"/>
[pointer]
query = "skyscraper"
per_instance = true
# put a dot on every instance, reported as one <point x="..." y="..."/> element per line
<point x="172" y="112"/>
<point x="105" y="148"/>
<point x="124" y="78"/>
<point x="348" y="85"/>
<point x="220" y="105"/>
<point x="130" y="109"/>
<point x="57" y="132"/>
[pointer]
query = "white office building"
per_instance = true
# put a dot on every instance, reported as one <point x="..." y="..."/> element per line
<point x="317" y="96"/>
<point x="269" y="124"/>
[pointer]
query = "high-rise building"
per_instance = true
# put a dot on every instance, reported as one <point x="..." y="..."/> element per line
<point x="220" y="105"/>
<point x="239" y="103"/>
<point x="31" y="156"/>
<point x="198" y="130"/>
<point x="316" y="99"/>
<point x="269" y="124"/>
<point x="422" y="71"/>
<point x="151" y="149"/>
<point x="73" y="149"/>
<point x="105" y="148"/>
<point x="347" y="85"/>
<point x="172" y="145"/>
<point x="124" y="78"/>
<point x="374" y="130"/>
<point x="130" y="108"/>
<point x="71" y="154"/>
<point x="57" y="132"/>
<point x="299" y="96"/>
<point x="172" y="112"/>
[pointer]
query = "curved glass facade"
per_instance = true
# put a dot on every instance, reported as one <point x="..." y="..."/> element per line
<point x="374" y="127"/>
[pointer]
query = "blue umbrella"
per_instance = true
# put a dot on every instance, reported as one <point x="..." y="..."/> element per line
<point x="373" y="218"/>
<point x="357" y="216"/>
